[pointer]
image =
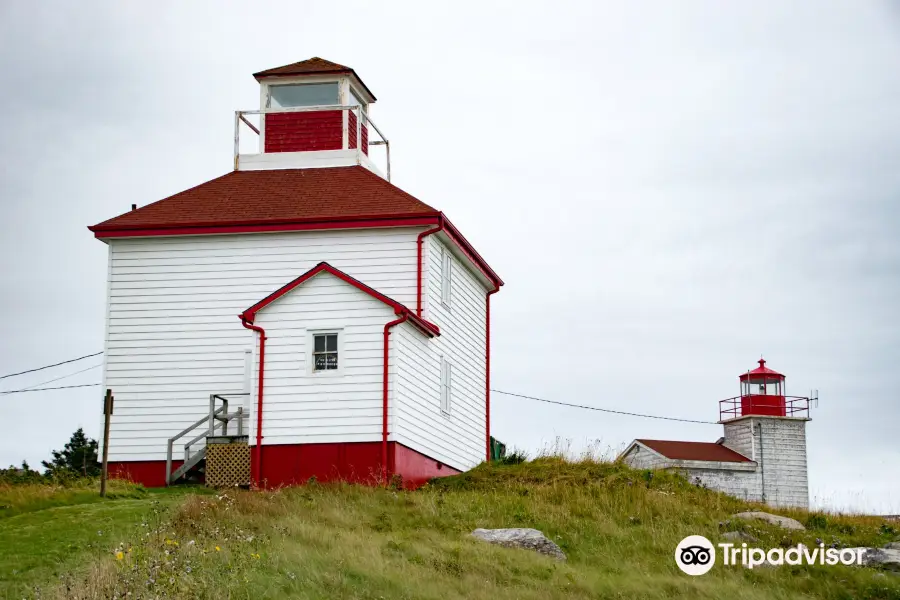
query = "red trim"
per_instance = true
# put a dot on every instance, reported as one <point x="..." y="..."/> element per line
<point x="259" y="402"/>
<point x="207" y="228"/>
<point x="487" y="377"/>
<point x="384" y="397"/>
<point x="470" y="251"/>
<point x="419" y="241"/>
<point x="250" y="313"/>
<point x="211" y="228"/>
<point x="429" y="329"/>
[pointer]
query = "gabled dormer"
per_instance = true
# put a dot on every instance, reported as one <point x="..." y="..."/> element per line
<point x="312" y="114"/>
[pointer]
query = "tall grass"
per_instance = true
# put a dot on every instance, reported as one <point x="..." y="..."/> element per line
<point x="618" y="526"/>
<point x="18" y="498"/>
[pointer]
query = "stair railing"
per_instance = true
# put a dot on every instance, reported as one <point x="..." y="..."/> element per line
<point x="217" y="417"/>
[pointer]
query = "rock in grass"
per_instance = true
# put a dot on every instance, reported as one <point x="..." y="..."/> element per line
<point x="529" y="539"/>
<point x="784" y="522"/>
<point x="738" y="536"/>
<point x="887" y="559"/>
<point x="892" y="546"/>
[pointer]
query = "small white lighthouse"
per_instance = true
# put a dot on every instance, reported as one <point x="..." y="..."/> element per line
<point x="762" y="456"/>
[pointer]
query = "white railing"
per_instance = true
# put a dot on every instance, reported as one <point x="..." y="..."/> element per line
<point x="240" y="117"/>
<point x="217" y="417"/>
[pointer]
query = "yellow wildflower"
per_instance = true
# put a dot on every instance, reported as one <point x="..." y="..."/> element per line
<point x="218" y="549"/>
<point x="120" y="555"/>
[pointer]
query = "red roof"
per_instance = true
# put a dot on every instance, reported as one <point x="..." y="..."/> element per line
<point x="285" y="200"/>
<point x="694" y="451"/>
<point x="428" y="328"/>
<point x="762" y="369"/>
<point x="311" y="66"/>
<point x="275" y="197"/>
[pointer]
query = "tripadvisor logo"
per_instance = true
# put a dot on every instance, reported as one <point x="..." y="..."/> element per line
<point x="696" y="555"/>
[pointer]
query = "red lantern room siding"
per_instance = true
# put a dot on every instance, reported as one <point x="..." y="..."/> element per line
<point x="768" y="406"/>
<point x="306" y="131"/>
<point x="352" y="134"/>
<point x="310" y="131"/>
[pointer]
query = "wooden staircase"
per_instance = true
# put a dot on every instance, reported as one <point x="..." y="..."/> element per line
<point x="224" y="457"/>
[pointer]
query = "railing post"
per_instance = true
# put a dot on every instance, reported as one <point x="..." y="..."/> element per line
<point x="359" y="118"/>
<point x="225" y="414"/>
<point x="169" y="462"/>
<point x="212" y="414"/>
<point x="240" y="419"/>
<point x="237" y="139"/>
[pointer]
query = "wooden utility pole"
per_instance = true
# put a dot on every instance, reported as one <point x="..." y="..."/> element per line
<point x="107" y="414"/>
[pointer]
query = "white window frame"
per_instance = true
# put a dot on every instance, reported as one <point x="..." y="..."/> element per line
<point x="311" y="356"/>
<point x="446" y="386"/>
<point x="359" y="97"/>
<point x="269" y="88"/>
<point x="446" y="278"/>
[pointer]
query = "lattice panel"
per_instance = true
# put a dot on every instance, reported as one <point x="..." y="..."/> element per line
<point x="227" y="465"/>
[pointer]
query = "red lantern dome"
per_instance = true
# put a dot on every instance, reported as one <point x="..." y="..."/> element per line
<point x="762" y="392"/>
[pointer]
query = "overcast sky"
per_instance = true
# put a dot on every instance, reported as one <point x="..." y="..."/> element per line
<point x="668" y="189"/>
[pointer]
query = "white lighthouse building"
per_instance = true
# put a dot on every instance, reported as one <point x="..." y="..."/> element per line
<point x="299" y="316"/>
<point x="760" y="458"/>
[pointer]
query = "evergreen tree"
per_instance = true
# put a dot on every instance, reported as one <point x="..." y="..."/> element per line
<point x="78" y="457"/>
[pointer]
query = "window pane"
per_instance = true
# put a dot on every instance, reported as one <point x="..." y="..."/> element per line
<point x="354" y="99"/>
<point x="332" y="343"/>
<point x="331" y="361"/>
<point x="320" y="343"/>
<point x="319" y="362"/>
<point x="308" y="94"/>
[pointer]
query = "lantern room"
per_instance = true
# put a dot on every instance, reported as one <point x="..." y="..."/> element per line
<point x="762" y="392"/>
<point x="313" y="113"/>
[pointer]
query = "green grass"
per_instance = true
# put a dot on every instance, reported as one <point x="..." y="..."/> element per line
<point x="49" y="530"/>
<point x="619" y="528"/>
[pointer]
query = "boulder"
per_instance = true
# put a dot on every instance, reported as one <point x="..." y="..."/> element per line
<point x="784" y="522"/>
<point x="887" y="559"/>
<point x="529" y="539"/>
<point x="738" y="536"/>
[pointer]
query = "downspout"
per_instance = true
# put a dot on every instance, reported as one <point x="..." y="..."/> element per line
<point x="384" y="397"/>
<point x="259" y="401"/>
<point x="487" y="375"/>
<point x="419" y="242"/>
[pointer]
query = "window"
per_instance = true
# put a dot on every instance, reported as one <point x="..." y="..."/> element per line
<point x="325" y="352"/>
<point x="446" y="277"/>
<point x="354" y="99"/>
<point x="304" y="94"/>
<point x="446" y="385"/>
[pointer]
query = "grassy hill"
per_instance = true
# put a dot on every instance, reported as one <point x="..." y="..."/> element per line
<point x="619" y="528"/>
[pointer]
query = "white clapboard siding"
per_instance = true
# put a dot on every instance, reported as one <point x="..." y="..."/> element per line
<point x="173" y="335"/>
<point x="457" y="438"/>
<point x="303" y="406"/>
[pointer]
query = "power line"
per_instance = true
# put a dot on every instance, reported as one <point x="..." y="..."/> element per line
<point x="34" y="388"/>
<point x="62" y="387"/>
<point x="53" y="365"/>
<point x="606" y="410"/>
<point x="31" y="387"/>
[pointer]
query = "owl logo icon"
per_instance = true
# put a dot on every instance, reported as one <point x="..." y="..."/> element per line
<point x="695" y="555"/>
